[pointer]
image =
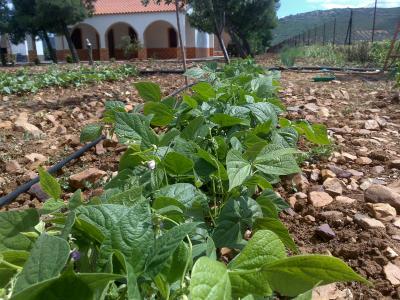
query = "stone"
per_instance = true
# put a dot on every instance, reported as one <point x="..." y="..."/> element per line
<point x="345" y="200"/>
<point x="301" y="182"/>
<point x="333" y="186"/>
<point x="325" y="173"/>
<point x="61" y="130"/>
<point x="367" y="222"/>
<point x="6" y="125"/>
<point x="355" y="173"/>
<point x="395" y="186"/>
<point x="331" y="215"/>
<point x="22" y="124"/>
<point x="325" y="232"/>
<point x="292" y="201"/>
<point x="323" y="112"/>
<point x="90" y="175"/>
<point x="390" y="253"/>
<point x="309" y="218"/>
<point x="381" y="194"/>
<point x="13" y="167"/>
<point x="320" y="199"/>
<point x="100" y="150"/>
<point x="382" y="211"/>
<point x="36" y="157"/>
<point x="371" y="125"/>
<point x="349" y="157"/>
<point x="392" y="273"/>
<point x="396" y="222"/>
<point x="340" y="173"/>
<point x="37" y="192"/>
<point x="378" y="170"/>
<point x="395" y="164"/>
<point x="314" y="176"/>
<point x="364" y="161"/>
<point x="366" y="184"/>
<point x="300" y="195"/>
<point x="378" y="155"/>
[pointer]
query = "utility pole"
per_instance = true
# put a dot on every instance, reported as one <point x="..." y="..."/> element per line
<point x="315" y="35"/>
<point x="374" y="23"/>
<point x="349" y="29"/>
<point x="334" y="33"/>
<point x="308" y="37"/>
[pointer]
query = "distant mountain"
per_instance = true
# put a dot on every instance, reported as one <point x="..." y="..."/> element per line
<point x="293" y="25"/>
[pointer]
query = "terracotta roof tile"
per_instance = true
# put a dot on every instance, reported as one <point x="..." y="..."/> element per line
<point x="110" y="7"/>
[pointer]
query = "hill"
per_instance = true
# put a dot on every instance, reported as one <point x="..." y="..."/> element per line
<point x="293" y="25"/>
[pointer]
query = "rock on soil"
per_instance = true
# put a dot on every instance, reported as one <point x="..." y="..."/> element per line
<point x="22" y="124"/>
<point x="333" y="186"/>
<point x="325" y="232"/>
<point x="381" y="194"/>
<point x="392" y="273"/>
<point x="382" y="211"/>
<point x="367" y="222"/>
<point x="320" y="199"/>
<point x="90" y="175"/>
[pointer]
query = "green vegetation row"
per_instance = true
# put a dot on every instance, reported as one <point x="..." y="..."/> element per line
<point x="197" y="176"/>
<point x="361" y="54"/>
<point x="23" y="82"/>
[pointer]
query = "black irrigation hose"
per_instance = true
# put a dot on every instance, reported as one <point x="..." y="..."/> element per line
<point x="5" y="200"/>
<point x="334" y="69"/>
<point x="25" y="187"/>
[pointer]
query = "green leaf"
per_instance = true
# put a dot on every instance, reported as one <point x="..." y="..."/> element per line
<point x="196" y="73"/>
<point x="52" y="205"/>
<point x="49" y="184"/>
<point x="257" y="180"/>
<point x="275" y="160"/>
<point x="76" y="200"/>
<point x="111" y="108"/>
<point x="177" y="164"/>
<point x="316" y="133"/>
<point x="12" y="223"/>
<point x="212" y="160"/>
<point x="238" y="169"/>
<point x="297" y="274"/>
<point x="191" y="102"/>
<point x="162" y="114"/>
<point x="131" y="128"/>
<point x="204" y="90"/>
<point x="235" y="218"/>
<point x="48" y="257"/>
<point x="91" y="132"/>
<point x="175" y="266"/>
<point x="149" y="91"/>
<point x="224" y="120"/>
<point x="195" y="129"/>
<point x="270" y="195"/>
<point x="128" y="197"/>
<point x="277" y="227"/>
<point x="69" y="286"/>
<point x="185" y="193"/>
<point x="263" y="248"/>
<point x="166" y="245"/>
<point x="210" y="281"/>
<point x="132" y="235"/>
<point x="263" y="112"/>
<point x="305" y="296"/>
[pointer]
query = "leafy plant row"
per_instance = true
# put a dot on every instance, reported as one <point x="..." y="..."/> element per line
<point x="197" y="177"/>
<point x="23" y="82"/>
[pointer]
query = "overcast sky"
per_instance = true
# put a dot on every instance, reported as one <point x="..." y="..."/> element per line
<point x="291" y="7"/>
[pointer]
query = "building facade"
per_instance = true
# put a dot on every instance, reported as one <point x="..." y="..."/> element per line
<point x="153" y="27"/>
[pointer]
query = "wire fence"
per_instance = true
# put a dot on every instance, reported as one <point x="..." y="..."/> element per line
<point x="373" y="22"/>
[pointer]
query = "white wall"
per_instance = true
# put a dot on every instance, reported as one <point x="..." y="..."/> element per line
<point x="156" y="35"/>
<point x="88" y="32"/>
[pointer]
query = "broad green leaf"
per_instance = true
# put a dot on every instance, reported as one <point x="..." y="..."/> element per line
<point x="48" y="257"/>
<point x="195" y="129"/>
<point x="189" y="101"/>
<point x="268" y="208"/>
<point x="224" y="120"/>
<point x="131" y="128"/>
<point x="238" y="169"/>
<point x="132" y="235"/>
<point x="168" y="137"/>
<point x="6" y="275"/>
<point x="149" y="91"/>
<point x="204" y="90"/>
<point x="49" y="184"/>
<point x="316" y="133"/>
<point x="111" y="108"/>
<point x="177" y="164"/>
<point x="76" y="200"/>
<point x="305" y="296"/>
<point x="275" y="160"/>
<point x="185" y="193"/>
<point x="297" y="274"/>
<point x="236" y="217"/>
<point x="257" y="180"/>
<point x="52" y="205"/>
<point x="175" y="266"/>
<point x="263" y="112"/>
<point x="210" y="281"/>
<point x="128" y="197"/>
<point x="286" y="137"/>
<point x="162" y="114"/>
<point x="166" y="245"/>
<point x="270" y="195"/>
<point x="69" y="286"/>
<point x="263" y="248"/>
<point x="212" y="160"/>
<point x="98" y="220"/>
<point x="196" y="73"/>
<point x="12" y="223"/>
<point x="91" y="132"/>
<point x="277" y="227"/>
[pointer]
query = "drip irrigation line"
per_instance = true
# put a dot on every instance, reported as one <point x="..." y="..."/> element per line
<point x="335" y="69"/>
<point x="5" y="200"/>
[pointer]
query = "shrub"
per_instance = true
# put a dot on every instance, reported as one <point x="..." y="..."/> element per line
<point x="129" y="46"/>
<point x="289" y="55"/>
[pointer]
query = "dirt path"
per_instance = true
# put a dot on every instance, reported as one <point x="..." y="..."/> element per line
<point x="360" y="158"/>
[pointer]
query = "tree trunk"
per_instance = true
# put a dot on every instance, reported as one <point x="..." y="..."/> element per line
<point x="245" y="45"/>
<point x="183" y="50"/>
<point x="74" y="53"/>
<point x="218" y="33"/>
<point x="238" y="44"/>
<point x="52" y="52"/>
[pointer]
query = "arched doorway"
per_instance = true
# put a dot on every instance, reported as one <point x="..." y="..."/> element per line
<point x="122" y="41"/>
<point x="161" y="40"/>
<point x="80" y="35"/>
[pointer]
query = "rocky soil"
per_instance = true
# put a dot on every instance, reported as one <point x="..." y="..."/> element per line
<point x="345" y="203"/>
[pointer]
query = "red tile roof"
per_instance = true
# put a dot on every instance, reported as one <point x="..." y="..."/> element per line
<point x="111" y="7"/>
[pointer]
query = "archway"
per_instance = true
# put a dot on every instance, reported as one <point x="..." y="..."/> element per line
<point x="121" y="41"/>
<point x="161" y="40"/>
<point x="80" y="34"/>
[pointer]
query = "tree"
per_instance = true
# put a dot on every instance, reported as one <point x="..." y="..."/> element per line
<point x="25" y="21"/>
<point x="250" y="36"/>
<point x="59" y="14"/>
<point x="4" y="25"/>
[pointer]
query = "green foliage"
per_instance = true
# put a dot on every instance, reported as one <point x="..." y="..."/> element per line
<point x="289" y="55"/>
<point x="197" y="183"/>
<point x="129" y="46"/>
<point x="23" y="82"/>
<point x="49" y="185"/>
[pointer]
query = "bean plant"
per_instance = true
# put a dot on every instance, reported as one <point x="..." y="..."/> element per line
<point x="22" y="82"/>
<point x="197" y="177"/>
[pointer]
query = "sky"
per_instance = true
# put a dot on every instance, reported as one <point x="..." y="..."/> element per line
<point x="291" y="7"/>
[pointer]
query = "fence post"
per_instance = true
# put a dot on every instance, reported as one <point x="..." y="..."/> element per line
<point x="374" y="22"/>
<point x="324" y="36"/>
<point x="334" y="33"/>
